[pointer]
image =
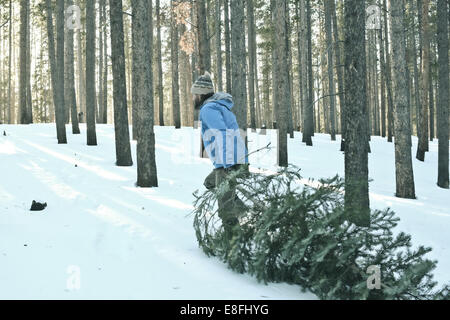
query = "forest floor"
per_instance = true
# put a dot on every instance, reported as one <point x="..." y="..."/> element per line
<point x="101" y="237"/>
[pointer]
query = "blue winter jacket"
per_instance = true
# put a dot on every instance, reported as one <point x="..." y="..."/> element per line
<point x="220" y="131"/>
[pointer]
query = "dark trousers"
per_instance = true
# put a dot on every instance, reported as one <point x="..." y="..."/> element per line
<point x="229" y="204"/>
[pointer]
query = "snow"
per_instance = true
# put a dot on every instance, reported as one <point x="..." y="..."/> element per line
<point x="101" y="237"/>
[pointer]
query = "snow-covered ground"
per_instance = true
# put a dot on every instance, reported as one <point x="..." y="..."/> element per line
<point x="102" y="238"/>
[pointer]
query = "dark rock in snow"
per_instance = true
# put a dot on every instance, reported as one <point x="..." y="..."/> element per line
<point x="37" y="206"/>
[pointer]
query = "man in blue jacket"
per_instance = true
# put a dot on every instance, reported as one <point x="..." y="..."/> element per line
<point x="223" y="142"/>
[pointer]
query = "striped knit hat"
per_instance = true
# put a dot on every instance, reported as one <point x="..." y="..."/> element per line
<point x="203" y="85"/>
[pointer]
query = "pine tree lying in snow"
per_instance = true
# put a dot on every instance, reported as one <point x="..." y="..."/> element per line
<point x="295" y="231"/>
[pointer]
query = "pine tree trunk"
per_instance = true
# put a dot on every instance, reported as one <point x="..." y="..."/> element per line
<point x="282" y="80"/>
<point x="70" y="100"/>
<point x="123" y="149"/>
<point x="227" y="44"/>
<point x="423" y="118"/>
<point x="219" y="46"/>
<point x="388" y="76"/>
<point x="160" y="71"/>
<point x="431" y="99"/>
<point x="104" y="116"/>
<point x="90" y="74"/>
<point x="383" y="84"/>
<point x="306" y="64"/>
<point x="204" y="52"/>
<point x="23" y="118"/>
<point x="251" y="62"/>
<point x="9" y="62"/>
<point x="142" y="69"/>
<point x="331" y="85"/>
<point x="58" y="58"/>
<point x="403" y="160"/>
<point x="356" y="156"/>
<point x="443" y="101"/>
<point x="100" y="65"/>
<point x="28" y="79"/>
<point x="175" y="80"/>
<point x="339" y="70"/>
<point x="310" y="107"/>
<point x="81" y="78"/>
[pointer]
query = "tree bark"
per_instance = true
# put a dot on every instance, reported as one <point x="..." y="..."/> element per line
<point x="90" y="74"/>
<point x="282" y="82"/>
<point x="388" y="76"/>
<point x="70" y="100"/>
<point x="219" y="46"/>
<point x="175" y="79"/>
<point x="122" y="136"/>
<point x="443" y="101"/>
<point x="331" y="86"/>
<point x="142" y="69"/>
<point x="356" y="151"/>
<point x="423" y="118"/>
<point x="9" y="62"/>
<point x="160" y="70"/>
<point x="403" y="160"/>
<point x="23" y="110"/>
<point x="227" y="44"/>
<point x="204" y="63"/>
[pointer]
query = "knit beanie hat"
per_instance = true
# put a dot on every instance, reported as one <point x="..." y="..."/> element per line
<point x="203" y="85"/>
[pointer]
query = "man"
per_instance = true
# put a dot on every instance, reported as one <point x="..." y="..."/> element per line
<point x="223" y="143"/>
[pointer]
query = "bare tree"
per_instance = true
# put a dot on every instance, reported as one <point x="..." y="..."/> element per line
<point x="142" y="69"/>
<point x="443" y="101"/>
<point x="403" y="162"/>
<point x="356" y="151"/>
<point x="122" y="135"/>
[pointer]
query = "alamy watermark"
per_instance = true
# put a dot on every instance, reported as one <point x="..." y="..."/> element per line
<point x="72" y="17"/>
<point x="373" y="20"/>
<point x="73" y="281"/>
<point x="374" y="280"/>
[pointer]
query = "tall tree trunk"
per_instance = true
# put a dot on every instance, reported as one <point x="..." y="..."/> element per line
<point x="81" y="78"/>
<point x="57" y="66"/>
<point x="9" y="62"/>
<point x="403" y="160"/>
<point x="331" y="86"/>
<point x="142" y="69"/>
<point x="100" y="64"/>
<point x="431" y="100"/>
<point x="356" y="151"/>
<point x="282" y="82"/>
<point x="339" y="70"/>
<point x="219" y="46"/>
<point x="388" y="76"/>
<point x="70" y="100"/>
<point x="175" y="81"/>
<point x="423" y="119"/>
<point x="204" y="63"/>
<point x="227" y="44"/>
<point x="23" y="111"/>
<point x="310" y="107"/>
<point x="304" y="60"/>
<point x="105" y="67"/>
<point x="443" y="101"/>
<point x="90" y="74"/>
<point x="251" y="61"/>
<point x="306" y="82"/>
<point x="383" y="84"/>
<point x="238" y="87"/>
<point x="28" y="73"/>
<point x="122" y="135"/>
<point x="160" y="70"/>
